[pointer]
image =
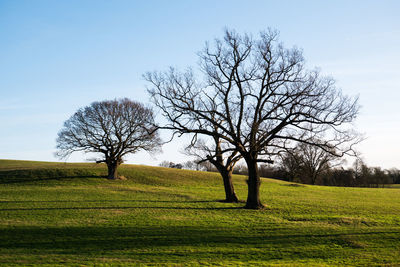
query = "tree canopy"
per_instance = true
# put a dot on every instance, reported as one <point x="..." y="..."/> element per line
<point x="113" y="128"/>
<point x="260" y="96"/>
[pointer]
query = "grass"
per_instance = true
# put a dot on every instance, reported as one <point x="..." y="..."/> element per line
<point x="66" y="214"/>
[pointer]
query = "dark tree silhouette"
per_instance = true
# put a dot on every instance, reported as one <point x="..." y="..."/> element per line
<point x="113" y="128"/>
<point x="261" y="98"/>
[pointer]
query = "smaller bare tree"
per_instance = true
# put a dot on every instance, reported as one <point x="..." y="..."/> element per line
<point x="221" y="156"/>
<point x="113" y="128"/>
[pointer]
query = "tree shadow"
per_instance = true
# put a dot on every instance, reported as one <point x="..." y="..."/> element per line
<point x="113" y="207"/>
<point x="40" y="175"/>
<point x="120" y="208"/>
<point x="18" y="181"/>
<point x="155" y="242"/>
<point x="105" y="201"/>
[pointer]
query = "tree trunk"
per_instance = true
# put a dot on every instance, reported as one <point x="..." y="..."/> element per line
<point x="230" y="195"/>
<point x="253" y="183"/>
<point x="313" y="179"/>
<point x="112" y="170"/>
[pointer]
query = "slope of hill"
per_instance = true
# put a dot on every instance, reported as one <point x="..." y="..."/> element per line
<point x="57" y="213"/>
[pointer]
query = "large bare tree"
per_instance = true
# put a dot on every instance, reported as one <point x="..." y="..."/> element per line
<point x="260" y="96"/>
<point x="112" y="128"/>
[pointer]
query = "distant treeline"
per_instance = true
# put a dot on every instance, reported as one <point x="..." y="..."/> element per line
<point x="359" y="175"/>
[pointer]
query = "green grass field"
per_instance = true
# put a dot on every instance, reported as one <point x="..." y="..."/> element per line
<point x="66" y="214"/>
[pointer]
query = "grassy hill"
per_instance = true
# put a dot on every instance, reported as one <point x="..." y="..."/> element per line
<point x="57" y="213"/>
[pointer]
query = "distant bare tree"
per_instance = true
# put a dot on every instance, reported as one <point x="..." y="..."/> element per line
<point x="190" y="165"/>
<point x="170" y="164"/>
<point x="164" y="163"/>
<point x="261" y="98"/>
<point x="309" y="162"/>
<point x="113" y="128"/>
<point x="394" y="175"/>
<point x="175" y="165"/>
<point x="241" y="168"/>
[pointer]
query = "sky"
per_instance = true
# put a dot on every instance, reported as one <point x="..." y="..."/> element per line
<point x="58" y="56"/>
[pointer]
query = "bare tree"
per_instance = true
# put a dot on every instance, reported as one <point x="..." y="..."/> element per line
<point x="394" y="175"/>
<point x="290" y="165"/>
<point x="164" y="163"/>
<point x="113" y="128"/>
<point x="223" y="158"/>
<point x="309" y="162"/>
<point x="260" y="96"/>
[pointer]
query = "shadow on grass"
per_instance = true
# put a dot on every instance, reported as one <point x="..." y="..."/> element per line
<point x="40" y="175"/>
<point x="122" y="207"/>
<point x="18" y="181"/>
<point x="106" y="201"/>
<point x="110" y="207"/>
<point x="199" y="243"/>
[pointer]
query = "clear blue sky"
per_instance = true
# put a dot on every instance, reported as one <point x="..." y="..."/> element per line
<point x="57" y="56"/>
